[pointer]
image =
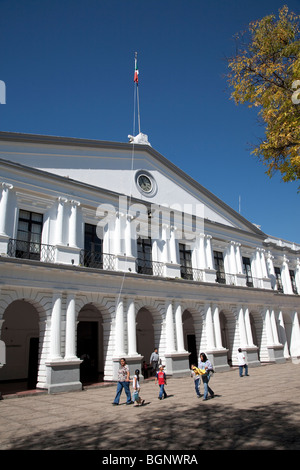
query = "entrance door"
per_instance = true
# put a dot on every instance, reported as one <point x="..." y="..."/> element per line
<point x="87" y="350"/>
<point x="191" y="340"/>
<point x="33" y="363"/>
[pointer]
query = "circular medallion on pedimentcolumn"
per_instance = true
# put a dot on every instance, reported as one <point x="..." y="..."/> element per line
<point x="145" y="183"/>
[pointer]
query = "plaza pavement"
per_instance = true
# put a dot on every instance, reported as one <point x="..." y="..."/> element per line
<point x="259" y="412"/>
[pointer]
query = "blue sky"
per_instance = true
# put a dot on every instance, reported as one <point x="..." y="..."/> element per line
<point x="68" y="68"/>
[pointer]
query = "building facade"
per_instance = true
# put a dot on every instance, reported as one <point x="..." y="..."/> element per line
<point x="108" y="250"/>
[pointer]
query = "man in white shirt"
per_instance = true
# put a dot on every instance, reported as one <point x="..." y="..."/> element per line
<point x="242" y="363"/>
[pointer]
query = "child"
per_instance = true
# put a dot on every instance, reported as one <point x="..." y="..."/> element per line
<point x="136" y="388"/>
<point x="162" y="381"/>
<point x="196" y="376"/>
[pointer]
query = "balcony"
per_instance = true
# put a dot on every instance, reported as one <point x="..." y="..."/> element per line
<point x="152" y="268"/>
<point x="31" y="250"/>
<point x="93" y="259"/>
<point x="191" y="274"/>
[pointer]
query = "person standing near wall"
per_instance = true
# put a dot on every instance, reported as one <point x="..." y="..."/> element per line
<point x="206" y="364"/>
<point x="242" y="363"/>
<point x="123" y="382"/>
<point x="154" y="359"/>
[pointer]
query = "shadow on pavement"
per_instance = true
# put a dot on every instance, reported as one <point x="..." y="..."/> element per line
<point x="199" y="428"/>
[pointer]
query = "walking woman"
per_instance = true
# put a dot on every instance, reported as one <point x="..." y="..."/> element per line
<point x="123" y="382"/>
<point x="206" y="364"/>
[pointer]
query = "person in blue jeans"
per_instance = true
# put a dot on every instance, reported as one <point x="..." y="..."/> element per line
<point x="162" y="381"/>
<point x="242" y="362"/>
<point x="206" y="364"/>
<point x="123" y="382"/>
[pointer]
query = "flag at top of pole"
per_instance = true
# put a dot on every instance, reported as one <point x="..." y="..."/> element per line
<point x="136" y="70"/>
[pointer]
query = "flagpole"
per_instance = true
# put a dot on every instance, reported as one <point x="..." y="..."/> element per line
<point x="137" y="90"/>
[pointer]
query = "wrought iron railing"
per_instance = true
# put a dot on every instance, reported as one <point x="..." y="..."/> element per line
<point x="153" y="268"/>
<point x="92" y="259"/>
<point x="191" y="274"/>
<point x="31" y="250"/>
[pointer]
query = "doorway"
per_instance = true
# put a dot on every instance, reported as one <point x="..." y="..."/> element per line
<point x="87" y="350"/>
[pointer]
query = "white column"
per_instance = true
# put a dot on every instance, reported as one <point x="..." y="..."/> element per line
<point x="274" y="327"/>
<point x="128" y="236"/>
<point x="179" y="327"/>
<point x="258" y="264"/>
<point x="231" y="258"/>
<point x="4" y="207"/>
<point x="263" y="263"/>
<point x="297" y="275"/>
<point x="60" y="220"/>
<point x="271" y="270"/>
<point x="248" y="328"/>
<point x="208" y="252"/>
<point x="55" y="336"/>
<point x="117" y="234"/>
<point x="172" y="246"/>
<point x="283" y="337"/>
<point x="295" y="336"/>
<point x="73" y="224"/>
<point x="70" y="352"/>
<point x="269" y="332"/>
<point x="119" y="328"/>
<point x="238" y="258"/>
<point x="217" y="327"/>
<point x="170" y="340"/>
<point x="209" y="328"/>
<point x="201" y="258"/>
<point x="131" y="328"/>
<point x="242" y="328"/>
<point x="286" y="278"/>
<point x="165" y="234"/>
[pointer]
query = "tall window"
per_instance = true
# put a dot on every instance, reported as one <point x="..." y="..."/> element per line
<point x="219" y="267"/>
<point x="247" y="271"/>
<point x="293" y="281"/>
<point x="29" y="235"/>
<point x="185" y="262"/>
<point x="93" y="247"/>
<point x="278" y="279"/>
<point x="144" y="256"/>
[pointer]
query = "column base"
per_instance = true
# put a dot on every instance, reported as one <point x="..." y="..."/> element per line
<point x="219" y="359"/>
<point x="276" y="353"/>
<point x="63" y="376"/>
<point x="177" y="364"/>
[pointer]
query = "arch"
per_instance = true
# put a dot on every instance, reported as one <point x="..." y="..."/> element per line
<point x="23" y="339"/>
<point x="145" y="338"/>
<point x="90" y="344"/>
<point x="189" y="336"/>
<point x="229" y="333"/>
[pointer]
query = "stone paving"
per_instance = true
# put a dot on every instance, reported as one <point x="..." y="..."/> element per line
<point x="259" y="412"/>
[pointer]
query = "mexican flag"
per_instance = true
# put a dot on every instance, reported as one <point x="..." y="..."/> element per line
<point x="136" y="72"/>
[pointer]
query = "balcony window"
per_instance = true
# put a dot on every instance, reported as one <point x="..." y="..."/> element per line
<point x="219" y="267"/>
<point x="28" y="243"/>
<point x="93" y="248"/>
<point x="293" y="281"/>
<point x="278" y="279"/>
<point x="144" y="256"/>
<point x="186" y="269"/>
<point x="247" y="271"/>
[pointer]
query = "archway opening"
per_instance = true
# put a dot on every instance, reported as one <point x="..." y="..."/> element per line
<point x="90" y="344"/>
<point x="20" y="333"/>
<point x="145" y="338"/>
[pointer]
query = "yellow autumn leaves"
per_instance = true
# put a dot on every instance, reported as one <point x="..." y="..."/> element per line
<point x="264" y="73"/>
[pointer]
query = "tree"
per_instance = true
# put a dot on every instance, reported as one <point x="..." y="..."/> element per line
<point x="265" y="72"/>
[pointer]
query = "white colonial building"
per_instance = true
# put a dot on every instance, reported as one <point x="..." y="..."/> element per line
<point x="108" y="250"/>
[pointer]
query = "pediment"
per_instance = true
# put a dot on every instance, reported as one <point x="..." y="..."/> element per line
<point x="117" y="167"/>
